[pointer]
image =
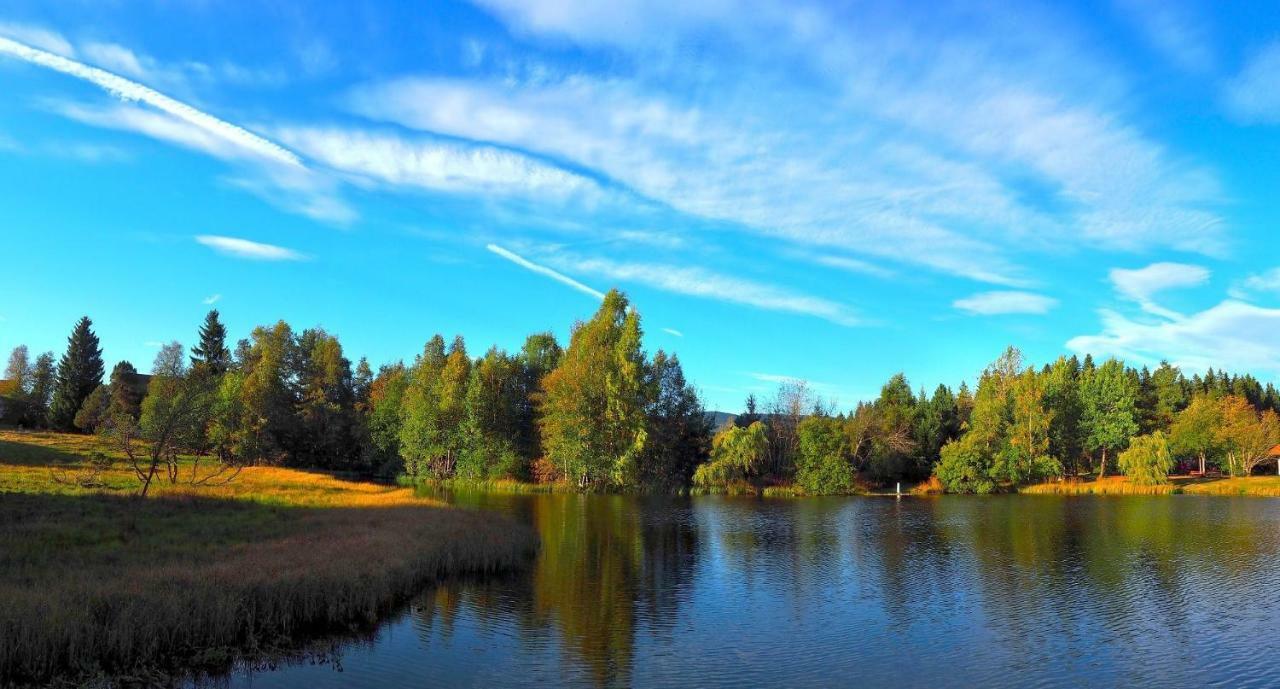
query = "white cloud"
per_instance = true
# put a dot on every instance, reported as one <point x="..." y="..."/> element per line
<point x="673" y="332"/>
<point x="1141" y="284"/>
<point x="131" y="91"/>
<point x="853" y="265"/>
<point x="115" y="57"/>
<point x="1005" y="302"/>
<point x="211" y="299"/>
<point x="543" y="270"/>
<point x="946" y="127"/>
<point x="1268" y="281"/>
<point x="1253" y="95"/>
<point x="699" y="282"/>
<point x="39" y="37"/>
<point x="433" y="164"/>
<point x="1173" y="30"/>
<point x="777" y="180"/>
<point x="1232" y="334"/>
<point x="244" y="248"/>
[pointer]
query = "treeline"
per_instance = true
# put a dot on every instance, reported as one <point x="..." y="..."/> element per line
<point x="599" y="413"/>
<point x="1022" y="425"/>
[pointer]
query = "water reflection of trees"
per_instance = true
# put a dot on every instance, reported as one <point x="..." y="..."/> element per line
<point x="608" y="566"/>
<point x="1040" y="578"/>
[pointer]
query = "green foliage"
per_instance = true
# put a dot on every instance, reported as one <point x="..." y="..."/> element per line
<point x="737" y="456"/>
<point x="1109" y="397"/>
<point x="40" y="393"/>
<point x="1025" y="457"/>
<point x="383" y="420"/>
<point x="824" y="463"/>
<point x="212" y="349"/>
<point x="1147" y="461"/>
<point x="492" y="415"/>
<point x="94" y="409"/>
<point x="421" y="437"/>
<point x="592" y="404"/>
<point x="965" y="468"/>
<point x="677" y="430"/>
<point x="1194" y="432"/>
<point x="323" y="431"/>
<point x="126" y="392"/>
<point x="894" y="452"/>
<point x="80" y="371"/>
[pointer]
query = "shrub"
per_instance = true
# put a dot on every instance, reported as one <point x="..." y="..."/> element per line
<point x="1147" y="461"/>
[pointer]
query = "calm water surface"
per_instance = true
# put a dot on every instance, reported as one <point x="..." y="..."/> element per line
<point x="1020" y="591"/>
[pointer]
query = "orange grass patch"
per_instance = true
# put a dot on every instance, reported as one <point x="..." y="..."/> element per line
<point x="98" y="583"/>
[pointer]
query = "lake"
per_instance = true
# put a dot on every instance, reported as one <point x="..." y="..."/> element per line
<point x="871" y="592"/>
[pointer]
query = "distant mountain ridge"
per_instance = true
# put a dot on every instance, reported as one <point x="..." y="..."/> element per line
<point x="720" y="419"/>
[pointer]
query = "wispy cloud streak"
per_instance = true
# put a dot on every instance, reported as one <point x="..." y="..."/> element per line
<point x="132" y="91"/>
<point x="244" y="248"/>
<point x="543" y="270"/>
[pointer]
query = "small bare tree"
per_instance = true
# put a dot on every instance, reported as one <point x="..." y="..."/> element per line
<point x="174" y="420"/>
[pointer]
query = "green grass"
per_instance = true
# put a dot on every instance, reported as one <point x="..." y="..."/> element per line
<point x="489" y="486"/>
<point x="99" y="583"/>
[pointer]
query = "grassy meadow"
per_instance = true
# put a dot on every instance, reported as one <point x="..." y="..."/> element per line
<point x="100" y="583"/>
<point x="1258" y="486"/>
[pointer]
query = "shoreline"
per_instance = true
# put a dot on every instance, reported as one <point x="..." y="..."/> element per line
<point x="101" y="585"/>
<point x="1253" y="486"/>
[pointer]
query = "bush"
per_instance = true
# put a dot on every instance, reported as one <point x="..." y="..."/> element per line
<point x="964" y="469"/>
<point x="1147" y="461"/>
<point x="823" y="465"/>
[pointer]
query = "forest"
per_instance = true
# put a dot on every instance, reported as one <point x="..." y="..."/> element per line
<point x="602" y="414"/>
<point x="599" y="413"/>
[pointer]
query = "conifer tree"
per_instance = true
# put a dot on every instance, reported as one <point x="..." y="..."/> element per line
<point x="79" y="373"/>
<point x="212" y="349"/>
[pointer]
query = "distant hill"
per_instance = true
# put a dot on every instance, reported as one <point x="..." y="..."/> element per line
<point x="720" y="419"/>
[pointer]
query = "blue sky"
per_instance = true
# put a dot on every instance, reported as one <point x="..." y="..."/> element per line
<point x="833" y="192"/>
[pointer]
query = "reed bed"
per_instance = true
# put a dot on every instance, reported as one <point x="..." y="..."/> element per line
<point x="1111" y="485"/>
<point x="98" y="583"/>
<point x="1258" y="486"/>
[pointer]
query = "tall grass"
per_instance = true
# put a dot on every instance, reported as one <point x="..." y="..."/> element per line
<point x="1259" y="486"/>
<point x="1113" y="485"/>
<point x="100" y="583"/>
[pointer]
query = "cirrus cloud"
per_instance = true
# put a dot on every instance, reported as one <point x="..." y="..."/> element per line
<point x="1002" y="302"/>
<point x="248" y="249"/>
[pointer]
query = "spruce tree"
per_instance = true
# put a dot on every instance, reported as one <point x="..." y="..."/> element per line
<point x="79" y="373"/>
<point x="212" y="350"/>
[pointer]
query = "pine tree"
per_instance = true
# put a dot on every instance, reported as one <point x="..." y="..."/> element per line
<point x="79" y="373"/>
<point x="212" y="350"/>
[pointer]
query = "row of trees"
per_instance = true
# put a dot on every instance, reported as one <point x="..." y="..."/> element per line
<point x="1022" y="424"/>
<point x="602" y="413"/>
<point x="599" y="413"/>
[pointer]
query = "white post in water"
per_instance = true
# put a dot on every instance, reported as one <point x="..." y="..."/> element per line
<point x="898" y="491"/>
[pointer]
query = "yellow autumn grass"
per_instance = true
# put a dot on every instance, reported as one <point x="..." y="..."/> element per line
<point x="1258" y="486"/>
<point x="99" y="583"/>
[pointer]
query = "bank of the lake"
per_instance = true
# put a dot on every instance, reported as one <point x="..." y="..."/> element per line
<point x="515" y="487"/>
<point x="99" y="583"/>
<point x="1257" y="486"/>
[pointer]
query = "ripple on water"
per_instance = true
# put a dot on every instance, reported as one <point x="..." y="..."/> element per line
<point x="717" y="592"/>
